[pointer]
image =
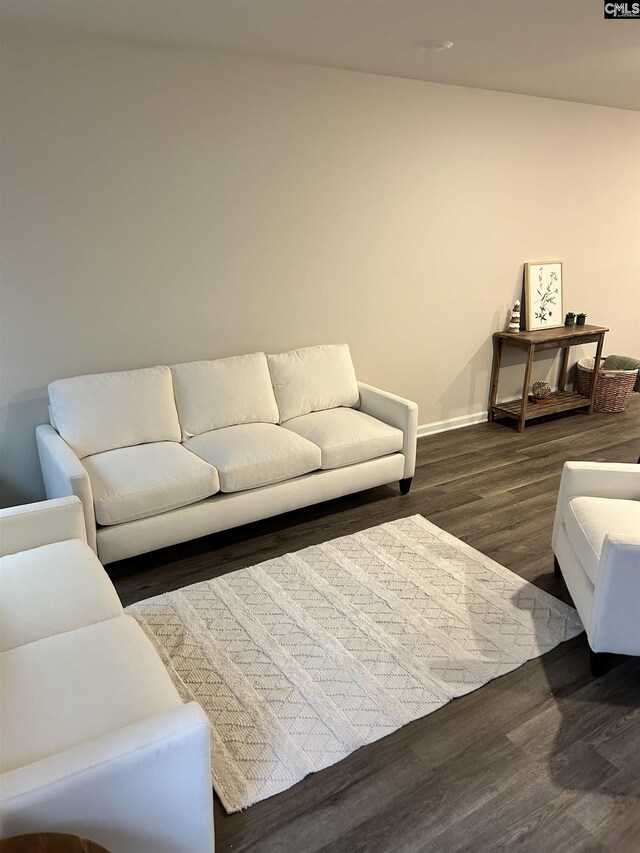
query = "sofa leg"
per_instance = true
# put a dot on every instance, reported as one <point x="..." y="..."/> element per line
<point x="557" y="571"/>
<point x="600" y="663"/>
<point x="405" y="485"/>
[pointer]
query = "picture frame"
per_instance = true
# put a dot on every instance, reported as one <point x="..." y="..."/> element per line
<point x="544" y="297"/>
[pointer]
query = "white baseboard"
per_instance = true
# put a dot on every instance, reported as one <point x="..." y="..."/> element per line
<point x="451" y="423"/>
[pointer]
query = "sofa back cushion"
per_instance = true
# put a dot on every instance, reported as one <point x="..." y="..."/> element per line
<point x="313" y="379"/>
<point x="222" y="393"/>
<point x="104" y="411"/>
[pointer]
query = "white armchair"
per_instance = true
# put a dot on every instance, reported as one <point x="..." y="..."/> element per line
<point x="596" y="544"/>
<point x="94" y="739"/>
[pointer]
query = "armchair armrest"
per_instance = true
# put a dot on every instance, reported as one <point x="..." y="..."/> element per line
<point x="41" y="523"/>
<point x="596" y="480"/>
<point x="145" y="788"/>
<point x="614" y="625"/>
<point x="397" y="412"/>
<point x="65" y="475"/>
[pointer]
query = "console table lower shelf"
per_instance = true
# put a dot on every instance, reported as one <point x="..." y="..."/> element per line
<point x="562" y="401"/>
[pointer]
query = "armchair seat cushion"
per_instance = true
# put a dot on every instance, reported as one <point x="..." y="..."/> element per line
<point x="52" y="589"/>
<point x="346" y="436"/>
<point x="137" y="482"/>
<point x="588" y="520"/>
<point x="250" y="455"/>
<point x="71" y="688"/>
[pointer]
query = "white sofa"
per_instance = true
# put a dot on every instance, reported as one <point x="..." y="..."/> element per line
<point x="165" y="454"/>
<point x="95" y="739"/>
<point x="596" y="543"/>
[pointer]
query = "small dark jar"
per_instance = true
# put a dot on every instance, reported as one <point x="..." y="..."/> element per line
<point x="570" y="319"/>
<point x="581" y="319"/>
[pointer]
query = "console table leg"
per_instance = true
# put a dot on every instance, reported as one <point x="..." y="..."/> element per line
<point x="525" y="390"/>
<point x="495" y="373"/>
<point x="562" y="379"/>
<point x="596" y="370"/>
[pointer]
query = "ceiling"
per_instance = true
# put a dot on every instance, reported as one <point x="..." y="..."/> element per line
<point x="550" y="48"/>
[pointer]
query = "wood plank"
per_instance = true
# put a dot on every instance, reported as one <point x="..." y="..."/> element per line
<point x="597" y="712"/>
<point x="421" y="816"/>
<point x="612" y="812"/>
<point x="540" y="791"/>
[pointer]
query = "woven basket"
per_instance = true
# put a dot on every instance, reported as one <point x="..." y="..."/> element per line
<point x="613" y="389"/>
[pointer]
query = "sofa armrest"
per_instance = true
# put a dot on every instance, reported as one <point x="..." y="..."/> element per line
<point x="596" y="480"/>
<point x="64" y="475"/>
<point x="397" y="412"/>
<point x="41" y="523"/>
<point x="145" y="788"/>
<point x="614" y="624"/>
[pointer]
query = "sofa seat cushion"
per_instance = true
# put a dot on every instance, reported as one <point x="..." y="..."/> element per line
<point x="588" y="520"/>
<point x="136" y="482"/>
<point x="347" y="436"/>
<point x="251" y="455"/>
<point x="52" y="589"/>
<point x="68" y="689"/>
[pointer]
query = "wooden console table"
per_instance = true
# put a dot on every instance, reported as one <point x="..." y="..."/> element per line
<point x="562" y="338"/>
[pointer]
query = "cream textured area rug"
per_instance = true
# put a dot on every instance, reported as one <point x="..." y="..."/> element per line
<point x="300" y="660"/>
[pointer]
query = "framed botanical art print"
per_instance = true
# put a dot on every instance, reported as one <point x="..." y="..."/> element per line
<point x="543" y="295"/>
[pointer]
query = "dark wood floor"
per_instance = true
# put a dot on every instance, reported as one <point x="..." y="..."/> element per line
<point x="543" y="759"/>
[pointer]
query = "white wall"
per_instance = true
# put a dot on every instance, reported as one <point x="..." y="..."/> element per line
<point x="162" y="206"/>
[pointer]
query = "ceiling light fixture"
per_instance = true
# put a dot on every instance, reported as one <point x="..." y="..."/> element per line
<point x="434" y="45"/>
